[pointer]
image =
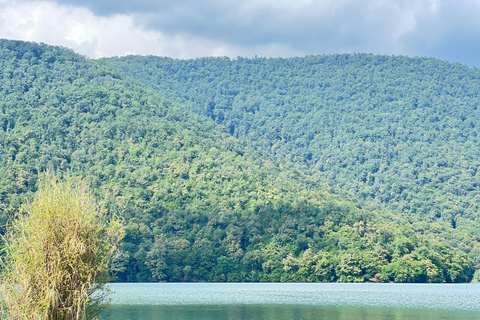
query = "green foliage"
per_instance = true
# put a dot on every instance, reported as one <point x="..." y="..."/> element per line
<point x="57" y="257"/>
<point x="400" y="131"/>
<point x="199" y="204"/>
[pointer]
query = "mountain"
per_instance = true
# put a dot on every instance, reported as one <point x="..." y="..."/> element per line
<point x="199" y="204"/>
<point x="400" y="131"/>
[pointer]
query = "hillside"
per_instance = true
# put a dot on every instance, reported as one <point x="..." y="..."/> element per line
<point x="199" y="204"/>
<point x="399" y="131"/>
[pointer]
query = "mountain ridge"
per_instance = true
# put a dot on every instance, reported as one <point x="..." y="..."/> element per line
<point x="391" y="129"/>
<point x="199" y="205"/>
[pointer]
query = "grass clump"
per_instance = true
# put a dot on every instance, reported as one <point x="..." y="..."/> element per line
<point x="57" y="254"/>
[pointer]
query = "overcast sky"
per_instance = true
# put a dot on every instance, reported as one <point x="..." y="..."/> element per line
<point x="446" y="29"/>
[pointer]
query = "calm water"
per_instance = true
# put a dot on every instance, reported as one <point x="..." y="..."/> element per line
<point x="297" y="301"/>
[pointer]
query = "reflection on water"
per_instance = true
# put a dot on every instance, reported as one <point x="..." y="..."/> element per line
<point x="273" y="301"/>
<point x="277" y="312"/>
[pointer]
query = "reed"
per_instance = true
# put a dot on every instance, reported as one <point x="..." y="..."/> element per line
<point x="57" y="254"/>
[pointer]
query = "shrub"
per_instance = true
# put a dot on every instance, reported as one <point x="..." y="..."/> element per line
<point x="58" y="253"/>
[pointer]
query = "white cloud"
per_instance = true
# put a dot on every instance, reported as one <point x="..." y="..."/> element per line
<point x="97" y="36"/>
<point x="192" y="28"/>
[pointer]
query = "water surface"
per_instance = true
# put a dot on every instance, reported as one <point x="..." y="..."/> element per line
<point x="282" y="301"/>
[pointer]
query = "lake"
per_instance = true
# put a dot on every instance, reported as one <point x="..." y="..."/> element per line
<point x="296" y="301"/>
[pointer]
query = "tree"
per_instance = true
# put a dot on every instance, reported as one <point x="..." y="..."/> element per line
<point x="57" y="255"/>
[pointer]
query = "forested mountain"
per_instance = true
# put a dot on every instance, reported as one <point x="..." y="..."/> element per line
<point x="396" y="130"/>
<point x="199" y="205"/>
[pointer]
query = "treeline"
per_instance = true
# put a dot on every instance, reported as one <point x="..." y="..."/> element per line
<point x="333" y="242"/>
<point x="199" y="205"/>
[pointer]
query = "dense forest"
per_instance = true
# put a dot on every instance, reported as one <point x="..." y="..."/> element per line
<point x="200" y="201"/>
<point x="399" y="131"/>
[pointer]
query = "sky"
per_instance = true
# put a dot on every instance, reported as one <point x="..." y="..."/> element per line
<point x="445" y="29"/>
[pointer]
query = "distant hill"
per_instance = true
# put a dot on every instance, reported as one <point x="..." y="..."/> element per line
<point x="400" y="131"/>
<point x="199" y="204"/>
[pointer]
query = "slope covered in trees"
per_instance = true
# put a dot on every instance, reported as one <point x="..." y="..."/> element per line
<point x="399" y="131"/>
<point x="198" y="204"/>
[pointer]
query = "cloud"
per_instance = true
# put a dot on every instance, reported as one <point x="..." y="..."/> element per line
<point x="116" y="34"/>
<point x="192" y="28"/>
<point x="450" y="32"/>
<point x="97" y="36"/>
<point x="304" y="23"/>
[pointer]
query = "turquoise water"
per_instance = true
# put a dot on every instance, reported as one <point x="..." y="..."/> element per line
<point x="282" y="301"/>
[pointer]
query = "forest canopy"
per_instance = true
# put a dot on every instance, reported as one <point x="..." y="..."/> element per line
<point x="395" y="130"/>
<point x="203" y="202"/>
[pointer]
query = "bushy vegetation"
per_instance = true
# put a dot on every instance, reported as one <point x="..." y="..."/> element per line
<point x="57" y="256"/>
<point x="199" y="204"/>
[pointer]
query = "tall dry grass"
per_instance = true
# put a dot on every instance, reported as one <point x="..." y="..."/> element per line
<point x="57" y="254"/>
